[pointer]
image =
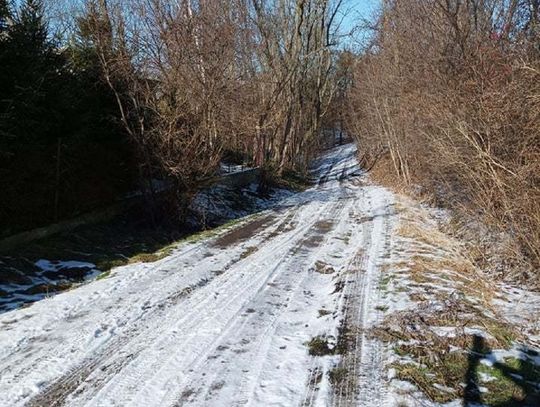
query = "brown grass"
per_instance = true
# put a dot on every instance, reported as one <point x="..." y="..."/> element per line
<point x="449" y="292"/>
<point x="438" y="259"/>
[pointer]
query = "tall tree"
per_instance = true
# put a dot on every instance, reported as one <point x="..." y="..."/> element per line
<point x="5" y="16"/>
<point x="60" y="151"/>
<point x="33" y="67"/>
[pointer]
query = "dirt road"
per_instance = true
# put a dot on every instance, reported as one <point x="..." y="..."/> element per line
<point x="227" y="321"/>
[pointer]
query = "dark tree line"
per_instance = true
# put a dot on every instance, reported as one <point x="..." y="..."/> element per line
<point x="62" y="151"/>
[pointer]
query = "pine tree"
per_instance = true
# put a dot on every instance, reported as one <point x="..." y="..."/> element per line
<point x="31" y="83"/>
<point x="29" y="31"/>
<point x="5" y="17"/>
<point x="60" y="149"/>
<point x="5" y="59"/>
<point x="34" y="68"/>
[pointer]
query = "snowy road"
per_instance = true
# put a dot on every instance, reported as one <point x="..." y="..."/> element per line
<point x="225" y="321"/>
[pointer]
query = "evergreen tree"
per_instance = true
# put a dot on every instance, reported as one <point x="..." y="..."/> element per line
<point x="35" y="70"/>
<point x="60" y="150"/>
<point x="5" y="60"/>
<point x="5" y="17"/>
<point x="31" y="115"/>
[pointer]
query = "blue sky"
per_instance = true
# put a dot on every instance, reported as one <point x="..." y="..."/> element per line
<point x="357" y="10"/>
<point x="363" y="7"/>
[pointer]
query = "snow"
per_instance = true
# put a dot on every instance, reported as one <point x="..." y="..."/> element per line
<point x="226" y="168"/>
<point x="226" y="320"/>
<point x="46" y="277"/>
<point x="47" y="265"/>
<point x="516" y="306"/>
<point x="220" y="202"/>
<point x="522" y="308"/>
<point x="223" y="321"/>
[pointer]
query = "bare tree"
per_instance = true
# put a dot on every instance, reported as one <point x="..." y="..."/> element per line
<point x="192" y="78"/>
<point x="450" y="91"/>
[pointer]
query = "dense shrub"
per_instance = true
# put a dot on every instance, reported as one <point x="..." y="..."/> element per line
<point x="450" y="91"/>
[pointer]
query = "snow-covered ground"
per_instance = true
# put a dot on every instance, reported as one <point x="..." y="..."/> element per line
<point x="327" y="298"/>
<point x="441" y="314"/>
<point x="220" y="322"/>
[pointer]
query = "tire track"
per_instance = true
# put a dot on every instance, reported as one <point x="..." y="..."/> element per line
<point x="216" y="336"/>
<point x="362" y="360"/>
<point x="111" y="359"/>
<point x="131" y="382"/>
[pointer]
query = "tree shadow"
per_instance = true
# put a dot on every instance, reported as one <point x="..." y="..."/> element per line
<point x="520" y="376"/>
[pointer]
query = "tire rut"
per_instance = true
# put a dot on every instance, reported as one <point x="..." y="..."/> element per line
<point x="110" y="359"/>
<point x="364" y="377"/>
<point x="191" y="322"/>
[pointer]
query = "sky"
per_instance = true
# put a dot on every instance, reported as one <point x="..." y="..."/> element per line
<point x="356" y="11"/>
<point x="353" y="11"/>
<point x="363" y="8"/>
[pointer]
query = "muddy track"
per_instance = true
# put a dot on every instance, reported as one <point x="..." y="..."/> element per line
<point x="252" y="338"/>
<point x="112" y="359"/>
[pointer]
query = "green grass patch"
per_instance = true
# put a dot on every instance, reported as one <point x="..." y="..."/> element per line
<point x="443" y="380"/>
<point x="514" y="379"/>
<point x="338" y="375"/>
<point x="104" y="275"/>
<point x="318" y="346"/>
<point x="209" y="233"/>
<point x="145" y="258"/>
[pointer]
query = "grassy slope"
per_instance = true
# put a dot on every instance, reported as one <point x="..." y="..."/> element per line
<point x="442" y="326"/>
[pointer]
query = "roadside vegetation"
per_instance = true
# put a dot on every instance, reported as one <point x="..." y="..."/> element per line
<point x="144" y="104"/>
<point x="442" y="321"/>
<point x="95" y="250"/>
<point x="103" y="98"/>
<point x="446" y="98"/>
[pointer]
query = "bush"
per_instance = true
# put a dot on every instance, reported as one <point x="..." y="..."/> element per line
<point x="451" y="92"/>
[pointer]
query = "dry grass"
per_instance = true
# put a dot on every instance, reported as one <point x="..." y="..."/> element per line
<point x="323" y="268"/>
<point x="319" y="346"/>
<point x="452" y="301"/>
<point x="430" y="236"/>
<point x="338" y="376"/>
<point x="440" y="360"/>
<point x="248" y="252"/>
<point x="440" y="260"/>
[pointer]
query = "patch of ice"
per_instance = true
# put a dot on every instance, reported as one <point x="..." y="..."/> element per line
<point x="47" y="265"/>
